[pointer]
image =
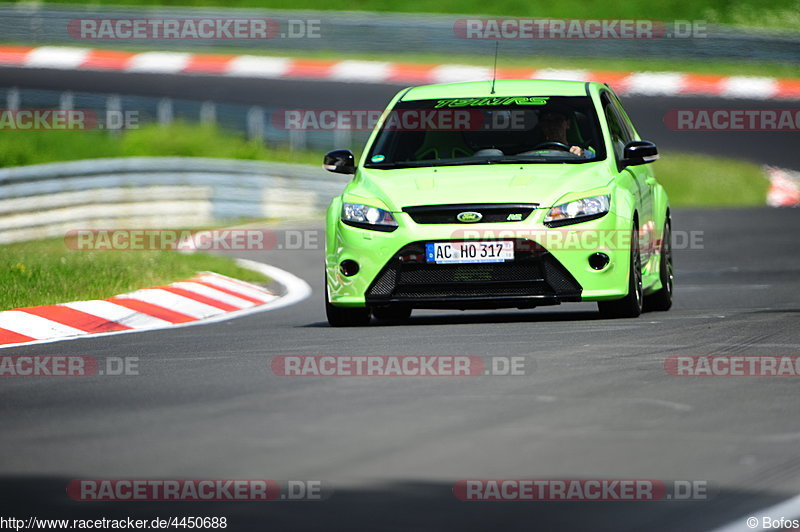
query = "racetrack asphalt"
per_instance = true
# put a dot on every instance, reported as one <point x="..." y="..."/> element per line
<point x="596" y="401"/>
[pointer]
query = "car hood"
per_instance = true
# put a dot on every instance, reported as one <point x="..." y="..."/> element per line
<point x="476" y="184"/>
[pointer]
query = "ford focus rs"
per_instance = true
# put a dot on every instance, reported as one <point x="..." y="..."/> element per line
<point x="512" y="194"/>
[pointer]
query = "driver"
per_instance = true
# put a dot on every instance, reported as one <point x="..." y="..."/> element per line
<point x="554" y="126"/>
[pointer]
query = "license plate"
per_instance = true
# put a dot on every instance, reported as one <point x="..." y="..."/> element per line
<point x="469" y="252"/>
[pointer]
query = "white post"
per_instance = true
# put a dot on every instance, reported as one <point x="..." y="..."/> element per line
<point x="66" y="101"/>
<point x="164" y="112"/>
<point x="12" y="99"/>
<point x="113" y="111"/>
<point x="255" y="123"/>
<point x="208" y="113"/>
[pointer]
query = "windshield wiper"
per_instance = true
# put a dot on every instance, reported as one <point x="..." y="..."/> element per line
<point x="387" y="165"/>
<point x="516" y="160"/>
<point x="548" y="160"/>
<point x="476" y="161"/>
<point x="457" y="162"/>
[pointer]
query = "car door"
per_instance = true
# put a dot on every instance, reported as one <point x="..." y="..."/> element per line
<point x="622" y="132"/>
<point x="649" y="180"/>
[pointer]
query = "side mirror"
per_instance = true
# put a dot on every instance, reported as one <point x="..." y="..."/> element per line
<point x="639" y="152"/>
<point x="340" y="162"/>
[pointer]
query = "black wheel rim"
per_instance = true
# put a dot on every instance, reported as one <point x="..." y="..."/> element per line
<point x="637" y="272"/>
<point x="667" y="251"/>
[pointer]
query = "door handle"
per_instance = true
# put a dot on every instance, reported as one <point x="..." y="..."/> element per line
<point x="650" y="180"/>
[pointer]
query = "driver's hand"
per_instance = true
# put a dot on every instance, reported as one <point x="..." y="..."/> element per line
<point x="576" y="150"/>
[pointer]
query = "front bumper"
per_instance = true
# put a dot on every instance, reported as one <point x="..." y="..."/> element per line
<point x="533" y="278"/>
<point x="545" y="271"/>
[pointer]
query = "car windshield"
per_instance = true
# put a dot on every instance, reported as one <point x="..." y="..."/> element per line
<point x="488" y="130"/>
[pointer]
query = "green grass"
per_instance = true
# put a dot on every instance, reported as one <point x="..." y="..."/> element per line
<point x="705" y="181"/>
<point x="45" y="272"/>
<point x="764" y="13"/>
<point x="19" y="148"/>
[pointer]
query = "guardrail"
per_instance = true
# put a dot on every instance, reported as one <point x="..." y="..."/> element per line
<point x="29" y="23"/>
<point x="254" y="121"/>
<point x="48" y="200"/>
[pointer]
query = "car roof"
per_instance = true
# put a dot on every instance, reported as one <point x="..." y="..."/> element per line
<point x="503" y="87"/>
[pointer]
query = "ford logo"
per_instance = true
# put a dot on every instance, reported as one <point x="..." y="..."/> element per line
<point x="469" y="217"/>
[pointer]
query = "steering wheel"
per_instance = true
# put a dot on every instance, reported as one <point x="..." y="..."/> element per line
<point x="551" y="145"/>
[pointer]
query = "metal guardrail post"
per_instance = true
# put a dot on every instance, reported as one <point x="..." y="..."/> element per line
<point x="113" y="108"/>
<point x="66" y="101"/>
<point x="256" y="128"/>
<point x="343" y="138"/>
<point x="164" y="112"/>
<point x="208" y="113"/>
<point x="12" y="99"/>
<point x="297" y="140"/>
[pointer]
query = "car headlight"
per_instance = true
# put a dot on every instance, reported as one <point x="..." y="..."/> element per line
<point x="577" y="211"/>
<point x="367" y="217"/>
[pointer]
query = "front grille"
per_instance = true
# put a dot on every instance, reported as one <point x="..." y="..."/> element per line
<point x="466" y="273"/>
<point x="534" y="272"/>
<point x="491" y="213"/>
<point x="466" y="291"/>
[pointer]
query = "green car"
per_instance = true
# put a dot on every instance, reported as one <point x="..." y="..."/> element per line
<point x="506" y="194"/>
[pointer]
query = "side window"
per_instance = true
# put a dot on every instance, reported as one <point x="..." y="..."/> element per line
<point x="625" y="119"/>
<point x="620" y="136"/>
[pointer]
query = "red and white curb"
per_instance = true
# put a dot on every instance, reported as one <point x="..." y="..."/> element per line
<point x="252" y="66"/>
<point x="784" y="187"/>
<point x="207" y="297"/>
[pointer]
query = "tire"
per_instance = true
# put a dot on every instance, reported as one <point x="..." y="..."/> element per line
<point x="662" y="300"/>
<point x="392" y="314"/>
<point x="345" y="316"/>
<point x="631" y="305"/>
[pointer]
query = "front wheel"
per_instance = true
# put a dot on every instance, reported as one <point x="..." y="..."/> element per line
<point x="662" y="300"/>
<point x="629" y="306"/>
<point x="345" y="316"/>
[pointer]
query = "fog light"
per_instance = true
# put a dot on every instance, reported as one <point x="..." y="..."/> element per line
<point x="598" y="261"/>
<point x="349" y="268"/>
